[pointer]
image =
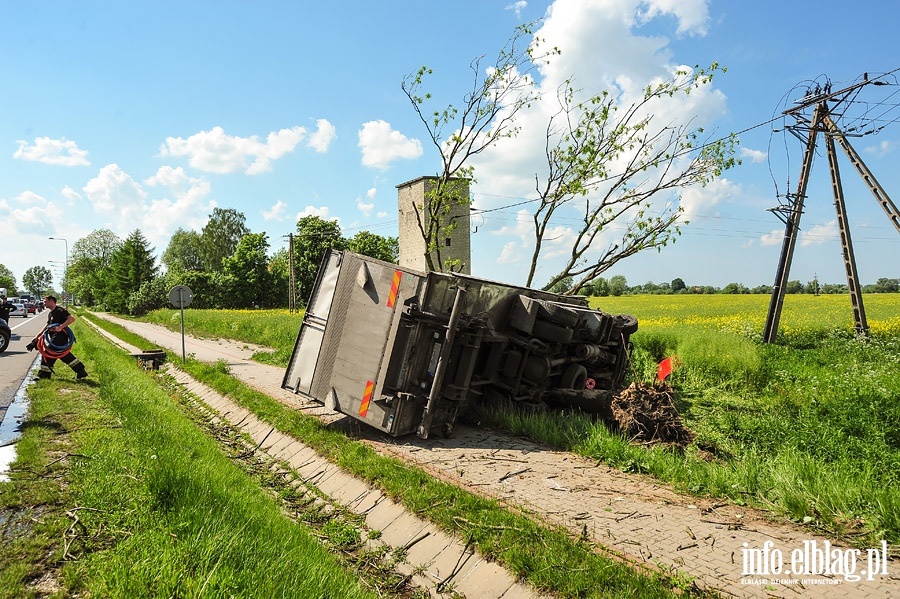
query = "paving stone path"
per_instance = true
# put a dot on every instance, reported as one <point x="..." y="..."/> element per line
<point x="634" y="517"/>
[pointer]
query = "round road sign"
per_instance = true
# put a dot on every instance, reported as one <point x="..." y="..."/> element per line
<point x="181" y="296"/>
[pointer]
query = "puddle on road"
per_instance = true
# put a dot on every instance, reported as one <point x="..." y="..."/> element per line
<point x="11" y="427"/>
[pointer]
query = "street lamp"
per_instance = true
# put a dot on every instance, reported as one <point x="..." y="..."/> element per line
<point x="66" y="273"/>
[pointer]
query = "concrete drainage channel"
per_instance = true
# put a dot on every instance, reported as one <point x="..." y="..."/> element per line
<point x="434" y="560"/>
<point x="431" y="559"/>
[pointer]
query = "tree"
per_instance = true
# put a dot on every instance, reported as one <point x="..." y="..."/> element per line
<point x="314" y="237"/>
<point x="487" y="114"/>
<point x="89" y="260"/>
<point x="601" y="287"/>
<point x="561" y="286"/>
<point x="247" y="273"/>
<point x="813" y="287"/>
<point x="678" y="285"/>
<point x="7" y="279"/>
<point x="184" y="251"/>
<point x="610" y="162"/>
<point x="220" y="237"/>
<point x="37" y="280"/>
<point x="130" y="266"/>
<point x="885" y="285"/>
<point x="280" y="269"/>
<point x="793" y="287"/>
<point x="618" y="285"/>
<point x="375" y="246"/>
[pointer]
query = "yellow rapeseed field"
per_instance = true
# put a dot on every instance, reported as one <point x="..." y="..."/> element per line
<point x="746" y="314"/>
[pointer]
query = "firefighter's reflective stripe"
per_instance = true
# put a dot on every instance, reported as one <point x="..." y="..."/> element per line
<point x="395" y="287"/>
<point x="367" y="397"/>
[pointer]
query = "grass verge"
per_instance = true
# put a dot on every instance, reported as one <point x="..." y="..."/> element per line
<point x="116" y="493"/>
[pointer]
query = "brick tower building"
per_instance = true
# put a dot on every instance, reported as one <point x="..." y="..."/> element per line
<point x="455" y="245"/>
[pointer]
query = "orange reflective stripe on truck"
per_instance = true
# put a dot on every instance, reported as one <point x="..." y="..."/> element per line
<point x="367" y="397"/>
<point x="395" y="287"/>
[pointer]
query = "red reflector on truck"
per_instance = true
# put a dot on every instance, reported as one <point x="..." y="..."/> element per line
<point x="395" y="287"/>
<point x="367" y="397"/>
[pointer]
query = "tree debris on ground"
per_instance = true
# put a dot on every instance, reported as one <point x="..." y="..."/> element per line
<point x="646" y="413"/>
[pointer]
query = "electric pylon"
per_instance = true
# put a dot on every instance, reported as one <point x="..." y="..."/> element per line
<point x="825" y="104"/>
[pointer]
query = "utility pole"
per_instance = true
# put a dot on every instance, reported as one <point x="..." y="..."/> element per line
<point x="822" y="122"/>
<point x="292" y="276"/>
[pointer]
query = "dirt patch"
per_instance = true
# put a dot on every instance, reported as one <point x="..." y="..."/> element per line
<point x="647" y="414"/>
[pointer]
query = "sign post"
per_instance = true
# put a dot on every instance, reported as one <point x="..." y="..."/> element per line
<point x="180" y="296"/>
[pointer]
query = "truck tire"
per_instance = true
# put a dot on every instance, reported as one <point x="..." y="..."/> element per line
<point x="557" y="314"/>
<point x="627" y="323"/>
<point x="573" y="377"/>
<point x="552" y="332"/>
<point x="4" y="341"/>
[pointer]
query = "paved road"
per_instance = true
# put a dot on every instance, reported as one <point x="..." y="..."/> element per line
<point x="636" y="517"/>
<point x="16" y="360"/>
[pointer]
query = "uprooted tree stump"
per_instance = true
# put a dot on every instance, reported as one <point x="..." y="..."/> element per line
<point x="647" y="414"/>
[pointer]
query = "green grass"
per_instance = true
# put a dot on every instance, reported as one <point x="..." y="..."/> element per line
<point x="134" y="500"/>
<point x="276" y="329"/>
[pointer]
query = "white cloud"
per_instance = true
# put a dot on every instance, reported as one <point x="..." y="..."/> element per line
<point x="517" y="7"/>
<point x="692" y="15"/>
<point x="322" y="212"/>
<point x="115" y="194"/>
<point x="216" y="152"/>
<point x="34" y="218"/>
<point x="509" y="254"/>
<point x="60" y="152"/>
<point x="29" y="197"/>
<point x="366" y="209"/>
<point x="381" y="145"/>
<point x="70" y="194"/>
<point x="883" y="148"/>
<point x="819" y="234"/>
<point x="276" y="212"/>
<point x="756" y="156"/>
<point x="699" y="201"/>
<point x="187" y="207"/>
<point x="322" y="138"/>
<point x="773" y="238"/>
<point x="113" y="191"/>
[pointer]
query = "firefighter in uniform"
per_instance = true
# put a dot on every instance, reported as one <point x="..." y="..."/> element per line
<point x="57" y="321"/>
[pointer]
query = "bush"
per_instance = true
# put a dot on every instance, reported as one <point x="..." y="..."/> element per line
<point x="152" y="295"/>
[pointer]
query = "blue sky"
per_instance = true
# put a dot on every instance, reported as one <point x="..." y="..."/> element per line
<point x="126" y="115"/>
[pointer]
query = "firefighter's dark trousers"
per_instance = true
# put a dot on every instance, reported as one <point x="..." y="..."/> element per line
<point x="70" y="360"/>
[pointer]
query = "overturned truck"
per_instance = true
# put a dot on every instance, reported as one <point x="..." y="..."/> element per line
<point x="405" y="351"/>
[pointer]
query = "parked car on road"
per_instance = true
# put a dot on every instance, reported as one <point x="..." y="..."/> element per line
<point x="19" y="310"/>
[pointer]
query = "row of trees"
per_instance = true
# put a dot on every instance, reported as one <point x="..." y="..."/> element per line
<point x="37" y="280"/>
<point x="618" y="285"/>
<point x="225" y="264"/>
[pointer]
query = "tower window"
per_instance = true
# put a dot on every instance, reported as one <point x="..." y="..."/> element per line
<point x="447" y="242"/>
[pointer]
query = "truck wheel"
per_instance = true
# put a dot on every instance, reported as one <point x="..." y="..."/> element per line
<point x="627" y="322"/>
<point x="552" y="332"/>
<point x="4" y="341"/>
<point x="574" y="377"/>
